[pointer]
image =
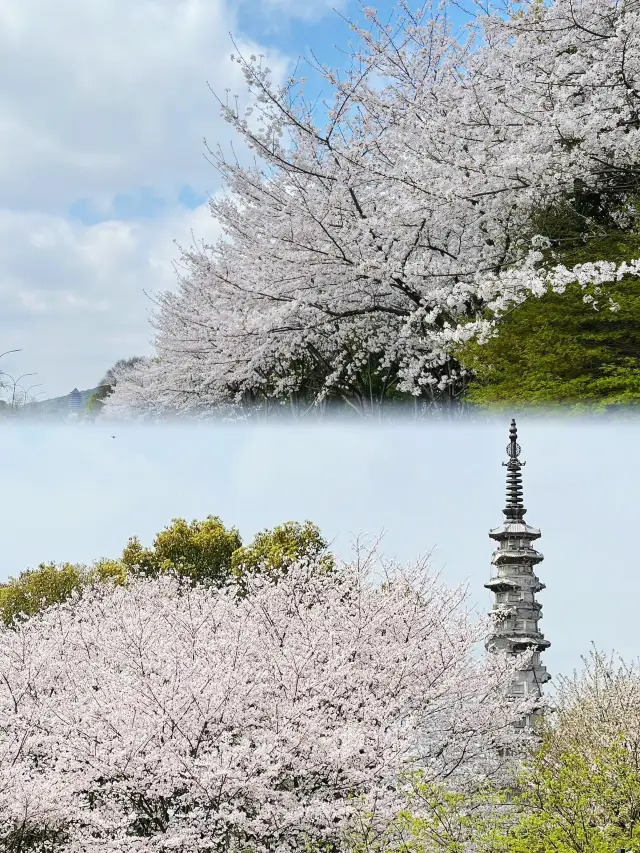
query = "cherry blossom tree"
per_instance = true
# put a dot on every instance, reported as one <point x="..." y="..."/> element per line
<point x="397" y="218"/>
<point x="161" y="716"/>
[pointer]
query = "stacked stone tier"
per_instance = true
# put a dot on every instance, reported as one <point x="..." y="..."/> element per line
<point x="516" y="530"/>
<point x="504" y="583"/>
<point x="513" y="554"/>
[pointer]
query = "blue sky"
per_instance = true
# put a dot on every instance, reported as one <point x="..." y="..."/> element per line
<point x="104" y="109"/>
<point x="75" y="493"/>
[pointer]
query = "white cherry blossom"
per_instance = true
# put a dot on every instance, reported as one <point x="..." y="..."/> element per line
<point x="373" y="231"/>
<point x="158" y="717"/>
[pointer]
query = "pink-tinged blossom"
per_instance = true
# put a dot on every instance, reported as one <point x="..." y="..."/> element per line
<point x="158" y="717"/>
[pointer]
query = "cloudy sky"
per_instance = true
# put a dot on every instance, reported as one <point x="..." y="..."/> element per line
<point x="103" y="109"/>
<point x="77" y="494"/>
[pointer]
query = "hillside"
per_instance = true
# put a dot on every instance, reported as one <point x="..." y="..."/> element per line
<point x="60" y="405"/>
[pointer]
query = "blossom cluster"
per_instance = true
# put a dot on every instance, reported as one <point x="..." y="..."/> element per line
<point x="365" y="237"/>
<point x="159" y="716"/>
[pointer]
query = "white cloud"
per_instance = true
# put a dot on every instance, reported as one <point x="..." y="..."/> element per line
<point x="100" y="99"/>
<point x="73" y="295"/>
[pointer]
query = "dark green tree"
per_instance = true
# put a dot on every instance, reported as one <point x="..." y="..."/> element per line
<point x="556" y="349"/>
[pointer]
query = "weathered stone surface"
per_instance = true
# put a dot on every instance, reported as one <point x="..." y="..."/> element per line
<point x="516" y="612"/>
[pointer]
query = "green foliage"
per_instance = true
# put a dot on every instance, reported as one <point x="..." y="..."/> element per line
<point x="200" y="552"/>
<point x="96" y="401"/>
<point x="203" y="552"/>
<point x="584" y="798"/>
<point x="556" y="349"/>
<point x="206" y="552"/>
<point x="38" y="588"/>
<point x="578" y="802"/>
<point x="273" y="550"/>
<point x="579" y="792"/>
<point x="435" y="819"/>
<point x="445" y="823"/>
<point x="575" y="789"/>
<point x="105" y="571"/>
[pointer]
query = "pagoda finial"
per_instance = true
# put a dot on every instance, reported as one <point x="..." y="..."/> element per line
<point x="514" y="448"/>
<point x="514" y="508"/>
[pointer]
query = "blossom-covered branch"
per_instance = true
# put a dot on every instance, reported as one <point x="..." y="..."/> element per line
<point x="366" y="235"/>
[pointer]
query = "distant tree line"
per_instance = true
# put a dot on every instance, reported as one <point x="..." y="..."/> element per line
<point x="204" y="552"/>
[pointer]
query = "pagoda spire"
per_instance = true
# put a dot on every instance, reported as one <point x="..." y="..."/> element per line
<point x="514" y="509"/>
<point x="514" y="584"/>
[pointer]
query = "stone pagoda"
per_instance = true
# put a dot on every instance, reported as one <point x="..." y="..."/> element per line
<point x="514" y="584"/>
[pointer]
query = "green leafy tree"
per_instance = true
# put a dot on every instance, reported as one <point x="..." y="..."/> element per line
<point x="580" y="791"/>
<point x="575" y="789"/>
<point x="94" y="403"/>
<point x="273" y="550"/>
<point x="578" y="802"/>
<point x="108" y="571"/>
<point x="435" y="820"/>
<point x="556" y="349"/>
<point x="38" y="588"/>
<point x="200" y="551"/>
